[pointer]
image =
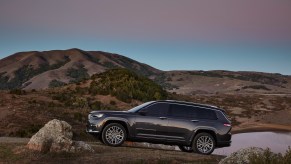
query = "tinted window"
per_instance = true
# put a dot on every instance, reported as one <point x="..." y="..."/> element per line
<point x="183" y="111"/>
<point x="192" y="112"/>
<point x="158" y="109"/>
<point x="203" y="113"/>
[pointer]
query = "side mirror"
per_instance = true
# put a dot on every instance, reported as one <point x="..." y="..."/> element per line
<point x="143" y="113"/>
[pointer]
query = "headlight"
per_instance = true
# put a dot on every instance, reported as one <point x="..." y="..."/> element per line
<point x="98" y="115"/>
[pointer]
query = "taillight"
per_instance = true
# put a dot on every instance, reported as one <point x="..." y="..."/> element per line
<point x="228" y="125"/>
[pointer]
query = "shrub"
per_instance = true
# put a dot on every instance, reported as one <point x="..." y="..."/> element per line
<point x="112" y="102"/>
<point x="125" y="85"/>
<point x="256" y="87"/>
<point x="96" y="105"/>
<point x="267" y="157"/>
<point x="78" y="116"/>
<point x="78" y="74"/>
<point x="17" y="92"/>
<point x="56" y="83"/>
<point x="28" y="131"/>
<point x="80" y="102"/>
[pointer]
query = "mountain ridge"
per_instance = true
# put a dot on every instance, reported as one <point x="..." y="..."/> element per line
<point x="40" y="67"/>
<point x="37" y="69"/>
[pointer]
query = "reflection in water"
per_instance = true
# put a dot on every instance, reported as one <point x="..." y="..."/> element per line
<point x="277" y="142"/>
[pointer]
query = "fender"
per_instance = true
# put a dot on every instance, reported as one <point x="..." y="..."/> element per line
<point x="124" y="120"/>
<point x="202" y="128"/>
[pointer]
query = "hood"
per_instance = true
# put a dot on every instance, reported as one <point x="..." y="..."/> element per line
<point x="108" y="112"/>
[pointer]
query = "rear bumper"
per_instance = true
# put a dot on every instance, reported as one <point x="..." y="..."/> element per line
<point x="223" y="144"/>
<point x="223" y="140"/>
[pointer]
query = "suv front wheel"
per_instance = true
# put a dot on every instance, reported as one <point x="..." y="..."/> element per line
<point x="114" y="134"/>
<point x="203" y="143"/>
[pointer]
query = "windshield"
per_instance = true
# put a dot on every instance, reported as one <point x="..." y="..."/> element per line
<point x="133" y="110"/>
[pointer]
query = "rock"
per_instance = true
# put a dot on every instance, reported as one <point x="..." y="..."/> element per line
<point x="242" y="156"/>
<point x="56" y="136"/>
<point x="82" y="146"/>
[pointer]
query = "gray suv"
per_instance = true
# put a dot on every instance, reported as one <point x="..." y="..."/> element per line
<point x="193" y="127"/>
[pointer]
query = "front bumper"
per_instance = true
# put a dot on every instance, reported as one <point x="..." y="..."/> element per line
<point x="94" y="126"/>
<point x="91" y="128"/>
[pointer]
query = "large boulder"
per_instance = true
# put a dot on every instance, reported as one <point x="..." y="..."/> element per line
<point x="56" y="136"/>
<point x="242" y="156"/>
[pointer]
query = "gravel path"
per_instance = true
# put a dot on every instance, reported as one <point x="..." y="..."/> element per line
<point x="13" y="140"/>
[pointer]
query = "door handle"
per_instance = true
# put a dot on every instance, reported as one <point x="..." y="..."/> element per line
<point x="163" y="118"/>
<point x="194" y="120"/>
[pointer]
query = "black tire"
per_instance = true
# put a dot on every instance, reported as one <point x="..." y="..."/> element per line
<point x="203" y="143"/>
<point x="187" y="149"/>
<point x="114" y="134"/>
<point x="100" y="139"/>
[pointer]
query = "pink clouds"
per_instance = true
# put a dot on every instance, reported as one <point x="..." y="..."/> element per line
<point x="208" y="20"/>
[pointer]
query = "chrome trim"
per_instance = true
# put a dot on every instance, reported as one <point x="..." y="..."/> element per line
<point x="91" y="131"/>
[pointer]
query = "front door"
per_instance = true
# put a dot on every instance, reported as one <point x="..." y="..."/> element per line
<point x="152" y="121"/>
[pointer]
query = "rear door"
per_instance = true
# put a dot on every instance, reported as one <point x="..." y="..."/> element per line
<point x="182" y="122"/>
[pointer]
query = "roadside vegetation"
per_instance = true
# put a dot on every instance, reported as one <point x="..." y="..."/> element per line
<point x="125" y="85"/>
<point x="268" y="157"/>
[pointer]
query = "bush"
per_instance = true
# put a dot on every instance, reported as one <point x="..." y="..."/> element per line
<point x="96" y="105"/>
<point x="56" y="83"/>
<point x="256" y="87"/>
<point x="112" y="102"/>
<point x="17" y="92"/>
<point x="78" y="116"/>
<point x="125" y="85"/>
<point x="78" y="74"/>
<point x="267" y="157"/>
<point x="28" y="131"/>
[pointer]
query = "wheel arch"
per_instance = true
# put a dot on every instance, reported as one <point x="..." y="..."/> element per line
<point x="212" y="132"/>
<point x="124" y="123"/>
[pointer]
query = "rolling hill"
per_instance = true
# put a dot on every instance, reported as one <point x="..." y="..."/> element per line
<point x="215" y="82"/>
<point x="36" y="70"/>
<point x="40" y="70"/>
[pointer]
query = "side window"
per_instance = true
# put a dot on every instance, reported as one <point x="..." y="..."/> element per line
<point x="183" y="111"/>
<point x="206" y="114"/>
<point x="158" y="109"/>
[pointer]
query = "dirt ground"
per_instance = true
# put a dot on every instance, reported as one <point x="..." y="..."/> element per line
<point x="14" y="151"/>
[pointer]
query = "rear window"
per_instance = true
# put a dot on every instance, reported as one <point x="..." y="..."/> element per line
<point x="183" y="111"/>
<point x="192" y="112"/>
<point x="206" y="114"/>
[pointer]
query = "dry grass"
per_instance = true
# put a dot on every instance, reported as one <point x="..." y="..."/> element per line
<point x="17" y="153"/>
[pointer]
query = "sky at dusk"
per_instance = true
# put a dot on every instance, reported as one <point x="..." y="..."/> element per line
<point x="237" y="35"/>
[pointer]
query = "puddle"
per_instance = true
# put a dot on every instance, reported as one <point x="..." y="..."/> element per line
<point x="277" y="142"/>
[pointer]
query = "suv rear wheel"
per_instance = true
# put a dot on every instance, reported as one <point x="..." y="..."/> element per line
<point x="114" y="134"/>
<point x="203" y="143"/>
<point x="186" y="149"/>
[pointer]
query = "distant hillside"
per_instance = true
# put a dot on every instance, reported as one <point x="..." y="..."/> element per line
<point x="213" y="82"/>
<point x="48" y="69"/>
<point x="36" y="70"/>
